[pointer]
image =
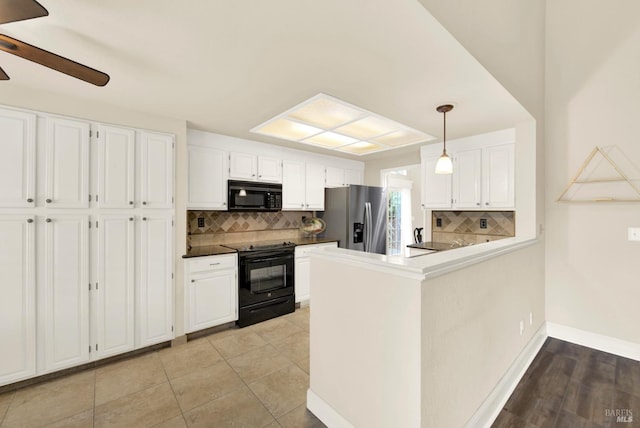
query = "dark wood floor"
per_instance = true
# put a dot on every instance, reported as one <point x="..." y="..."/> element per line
<point x="568" y="386"/>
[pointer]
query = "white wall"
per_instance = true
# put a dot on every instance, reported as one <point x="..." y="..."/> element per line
<point x="593" y="99"/>
<point x="89" y="110"/>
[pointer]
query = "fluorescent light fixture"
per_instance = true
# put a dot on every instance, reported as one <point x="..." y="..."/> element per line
<point x="330" y="123"/>
<point x="330" y="139"/>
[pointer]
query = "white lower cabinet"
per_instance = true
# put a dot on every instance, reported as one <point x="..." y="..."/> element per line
<point x="303" y="269"/>
<point x="18" y="303"/>
<point x="115" y="282"/>
<point x="154" y="298"/>
<point x="211" y="291"/>
<point x="64" y="302"/>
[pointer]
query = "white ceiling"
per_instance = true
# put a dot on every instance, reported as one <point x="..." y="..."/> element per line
<point x="227" y="66"/>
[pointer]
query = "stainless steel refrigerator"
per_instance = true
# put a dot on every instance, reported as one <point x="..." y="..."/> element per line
<point x="357" y="216"/>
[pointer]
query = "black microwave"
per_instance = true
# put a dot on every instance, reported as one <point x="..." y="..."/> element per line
<point x="253" y="196"/>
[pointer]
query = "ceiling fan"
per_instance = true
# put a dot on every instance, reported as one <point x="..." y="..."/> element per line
<point x="19" y="10"/>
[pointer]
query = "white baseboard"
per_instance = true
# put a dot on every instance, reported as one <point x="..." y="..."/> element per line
<point x="495" y="401"/>
<point x="325" y="412"/>
<point x="595" y="341"/>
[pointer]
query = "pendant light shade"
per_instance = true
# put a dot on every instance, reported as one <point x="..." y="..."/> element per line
<point x="444" y="165"/>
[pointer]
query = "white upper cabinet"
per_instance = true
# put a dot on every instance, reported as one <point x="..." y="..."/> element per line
<point x="302" y="186"/>
<point x="116" y="167"/>
<point x="269" y="169"/>
<point x="467" y="178"/>
<point x="155" y="283"/>
<point x="314" y="187"/>
<point x="352" y="176"/>
<point x="498" y="176"/>
<point x="483" y="173"/>
<point x="18" y="160"/>
<point x="339" y="177"/>
<point x="436" y="188"/>
<point x="114" y="288"/>
<point x="243" y="166"/>
<point x="251" y="167"/>
<point x="18" y="302"/>
<point x="334" y="177"/>
<point x="293" y="185"/>
<point x="65" y="301"/>
<point x="156" y="170"/>
<point x="207" y="178"/>
<point x="67" y="164"/>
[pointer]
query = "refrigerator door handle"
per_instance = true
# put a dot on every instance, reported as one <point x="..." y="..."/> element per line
<point x="367" y="226"/>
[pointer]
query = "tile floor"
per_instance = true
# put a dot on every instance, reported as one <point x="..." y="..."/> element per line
<point x="252" y="377"/>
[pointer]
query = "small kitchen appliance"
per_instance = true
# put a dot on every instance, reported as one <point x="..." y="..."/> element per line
<point x="417" y="234"/>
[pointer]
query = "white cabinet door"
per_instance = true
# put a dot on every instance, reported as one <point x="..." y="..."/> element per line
<point x="269" y="169"/>
<point x="242" y="166"/>
<point x="156" y="170"/>
<point x="303" y="279"/>
<point x="352" y="176"/>
<point x="67" y="164"/>
<point x="334" y="177"/>
<point x="314" y="187"/>
<point x="436" y="188"/>
<point x="17" y="305"/>
<point x="293" y="185"/>
<point x="207" y="178"/>
<point x="114" y="289"/>
<point x="212" y="299"/>
<point x="18" y="160"/>
<point x="65" y="309"/>
<point x="498" y="176"/>
<point x="116" y="167"/>
<point x="155" y="286"/>
<point x="467" y="178"/>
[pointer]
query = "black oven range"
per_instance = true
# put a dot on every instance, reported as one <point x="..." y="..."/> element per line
<point x="265" y="280"/>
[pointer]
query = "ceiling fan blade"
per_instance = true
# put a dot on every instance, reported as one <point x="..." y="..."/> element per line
<point x="19" y="10"/>
<point x="3" y="75"/>
<point x="53" y="61"/>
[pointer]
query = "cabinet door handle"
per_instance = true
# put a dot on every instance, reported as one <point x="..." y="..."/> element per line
<point x="214" y="264"/>
<point x="486" y="203"/>
<point x="259" y="176"/>
<point x="30" y="200"/>
<point x="130" y="218"/>
<point x="130" y="202"/>
<point x="29" y="220"/>
<point x="193" y="280"/>
<point x="478" y="203"/>
<point x="144" y="219"/>
<point x="48" y="220"/>
<point x="144" y="203"/>
<point x="48" y="201"/>
<point x="224" y="204"/>
<point x="253" y="175"/>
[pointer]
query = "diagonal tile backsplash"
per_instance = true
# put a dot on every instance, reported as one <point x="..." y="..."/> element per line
<point x="466" y="225"/>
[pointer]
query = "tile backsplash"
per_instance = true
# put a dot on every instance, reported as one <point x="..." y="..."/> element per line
<point x="455" y="225"/>
<point x="224" y="227"/>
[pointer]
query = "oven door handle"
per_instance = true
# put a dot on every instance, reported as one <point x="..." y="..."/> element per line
<point x="268" y="259"/>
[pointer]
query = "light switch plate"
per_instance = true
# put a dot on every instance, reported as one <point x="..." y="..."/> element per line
<point x="633" y="234"/>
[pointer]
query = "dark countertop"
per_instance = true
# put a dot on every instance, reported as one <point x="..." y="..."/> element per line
<point x="436" y="246"/>
<point x="215" y="250"/>
<point x="207" y="250"/>
<point x="309" y="241"/>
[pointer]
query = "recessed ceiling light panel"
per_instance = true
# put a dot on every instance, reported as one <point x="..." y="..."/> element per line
<point x="333" y="124"/>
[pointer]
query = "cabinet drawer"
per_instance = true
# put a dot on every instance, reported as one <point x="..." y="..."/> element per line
<point x="212" y="263"/>
<point x="303" y="250"/>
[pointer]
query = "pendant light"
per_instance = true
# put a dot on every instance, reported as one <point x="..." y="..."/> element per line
<point x="444" y="165"/>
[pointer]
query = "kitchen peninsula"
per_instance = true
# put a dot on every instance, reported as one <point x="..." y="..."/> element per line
<point x="414" y="341"/>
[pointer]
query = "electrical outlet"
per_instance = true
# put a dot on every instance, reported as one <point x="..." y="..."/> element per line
<point x="483" y="223"/>
<point x="200" y="221"/>
<point x="521" y="327"/>
<point x="633" y="234"/>
<point x="438" y="222"/>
